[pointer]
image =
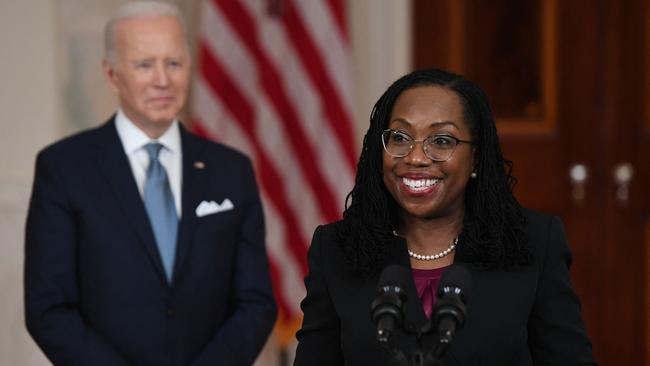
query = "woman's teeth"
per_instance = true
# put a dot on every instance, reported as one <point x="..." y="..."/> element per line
<point x="419" y="184"/>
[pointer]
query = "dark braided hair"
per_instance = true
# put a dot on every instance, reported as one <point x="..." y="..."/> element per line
<point x="493" y="235"/>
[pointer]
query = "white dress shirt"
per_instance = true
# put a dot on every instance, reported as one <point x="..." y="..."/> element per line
<point x="134" y="141"/>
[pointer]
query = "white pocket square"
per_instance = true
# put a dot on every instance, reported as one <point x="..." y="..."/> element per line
<point x="208" y="208"/>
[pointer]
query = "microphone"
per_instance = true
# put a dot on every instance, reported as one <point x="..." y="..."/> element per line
<point x="450" y="311"/>
<point x="387" y="309"/>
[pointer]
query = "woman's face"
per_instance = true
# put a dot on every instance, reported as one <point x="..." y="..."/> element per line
<point x="424" y="188"/>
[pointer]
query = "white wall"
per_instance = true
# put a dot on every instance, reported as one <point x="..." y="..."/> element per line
<point x="30" y="119"/>
<point x="37" y="102"/>
<point x="381" y="50"/>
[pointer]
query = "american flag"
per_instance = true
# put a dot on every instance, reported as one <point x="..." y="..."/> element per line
<point x="273" y="81"/>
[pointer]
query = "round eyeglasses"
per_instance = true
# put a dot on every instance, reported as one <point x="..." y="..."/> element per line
<point x="440" y="147"/>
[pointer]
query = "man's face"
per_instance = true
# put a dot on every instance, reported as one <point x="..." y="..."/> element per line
<point x="151" y="72"/>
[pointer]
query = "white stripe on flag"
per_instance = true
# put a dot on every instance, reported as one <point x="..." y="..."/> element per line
<point x="310" y="108"/>
<point x="332" y="47"/>
<point x="269" y="131"/>
<point x="272" y="138"/>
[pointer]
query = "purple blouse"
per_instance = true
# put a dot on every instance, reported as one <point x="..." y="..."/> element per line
<point x="426" y="282"/>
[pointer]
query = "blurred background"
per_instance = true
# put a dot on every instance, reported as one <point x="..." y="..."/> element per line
<point x="292" y="83"/>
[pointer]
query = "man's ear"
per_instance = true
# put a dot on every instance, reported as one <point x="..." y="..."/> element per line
<point x="109" y="72"/>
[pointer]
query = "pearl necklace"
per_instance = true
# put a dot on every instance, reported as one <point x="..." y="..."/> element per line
<point x="432" y="257"/>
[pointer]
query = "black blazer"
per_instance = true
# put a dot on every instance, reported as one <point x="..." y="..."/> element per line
<point x="529" y="316"/>
<point x="95" y="289"/>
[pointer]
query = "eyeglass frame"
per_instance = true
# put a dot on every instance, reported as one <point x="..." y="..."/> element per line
<point x="424" y="149"/>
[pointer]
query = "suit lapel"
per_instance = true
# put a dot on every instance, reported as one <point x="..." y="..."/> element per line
<point x="115" y="166"/>
<point x="398" y="255"/>
<point x="193" y="190"/>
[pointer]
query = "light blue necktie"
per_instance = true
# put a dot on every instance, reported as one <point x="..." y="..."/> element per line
<point x="159" y="202"/>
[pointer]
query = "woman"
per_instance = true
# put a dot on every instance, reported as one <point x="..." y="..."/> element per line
<point x="433" y="189"/>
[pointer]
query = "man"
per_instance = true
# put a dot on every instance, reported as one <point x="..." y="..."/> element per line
<point x="145" y="243"/>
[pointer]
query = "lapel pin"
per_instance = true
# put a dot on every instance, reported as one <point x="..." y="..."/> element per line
<point x="199" y="164"/>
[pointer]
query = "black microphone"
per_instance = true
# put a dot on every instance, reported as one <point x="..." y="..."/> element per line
<point x="450" y="311"/>
<point x="387" y="309"/>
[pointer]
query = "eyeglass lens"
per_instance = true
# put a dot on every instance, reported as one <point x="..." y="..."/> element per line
<point x="436" y="147"/>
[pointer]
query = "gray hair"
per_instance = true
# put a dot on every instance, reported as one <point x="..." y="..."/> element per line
<point x="138" y="9"/>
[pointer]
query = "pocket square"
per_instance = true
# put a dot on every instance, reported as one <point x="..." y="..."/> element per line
<point x="208" y="208"/>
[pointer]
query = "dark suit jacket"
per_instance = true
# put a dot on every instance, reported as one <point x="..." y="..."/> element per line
<point x="95" y="289"/>
<point x="529" y="316"/>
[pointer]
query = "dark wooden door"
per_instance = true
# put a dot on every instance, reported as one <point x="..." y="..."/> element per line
<point x="570" y="85"/>
<point x="626" y="164"/>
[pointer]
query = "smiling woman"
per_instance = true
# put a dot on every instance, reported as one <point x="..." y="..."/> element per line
<point x="425" y="188"/>
<point x="433" y="191"/>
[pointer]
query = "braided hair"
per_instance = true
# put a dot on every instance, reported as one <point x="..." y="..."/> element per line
<point x="493" y="227"/>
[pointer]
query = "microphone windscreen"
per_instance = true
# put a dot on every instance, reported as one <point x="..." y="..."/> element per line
<point x="394" y="275"/>
<point x="458" y="277"/>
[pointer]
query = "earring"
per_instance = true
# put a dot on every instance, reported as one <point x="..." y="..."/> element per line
<point x="473" y="175"/>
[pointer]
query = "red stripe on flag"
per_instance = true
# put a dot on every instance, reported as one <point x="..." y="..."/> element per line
<point x="241" y="110"/>
<point x="338" y="119"/>
<point x="224" y="88"/>
<point x="272" y="84"/>
<point x="338" y="9"/>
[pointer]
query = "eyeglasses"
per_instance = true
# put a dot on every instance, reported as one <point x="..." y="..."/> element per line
<point x="440" y="147"/>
